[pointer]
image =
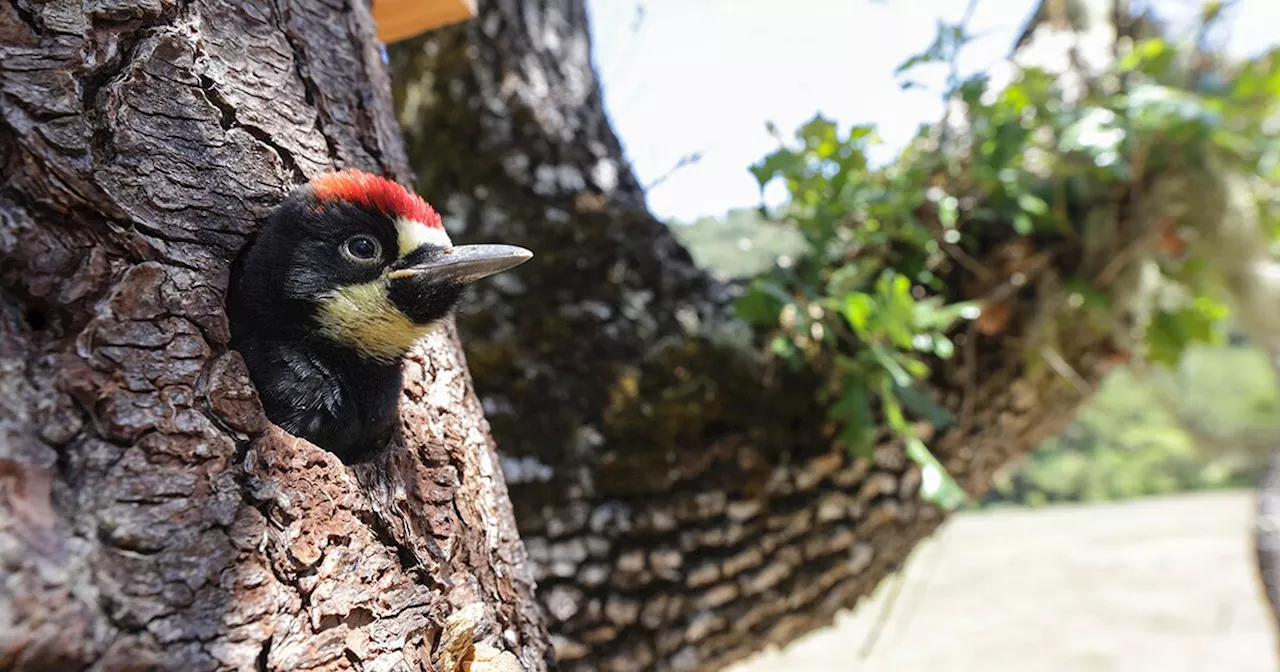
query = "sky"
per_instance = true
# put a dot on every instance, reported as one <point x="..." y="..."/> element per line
<point x="686" y="76"/>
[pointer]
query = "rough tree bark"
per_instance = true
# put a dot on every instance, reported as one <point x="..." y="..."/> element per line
<point x="1266" y="535"/>
<point x="149" y="516"/>
<point x="683" y="502"/>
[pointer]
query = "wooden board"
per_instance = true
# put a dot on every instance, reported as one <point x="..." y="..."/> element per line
<point x="402" y="19"/>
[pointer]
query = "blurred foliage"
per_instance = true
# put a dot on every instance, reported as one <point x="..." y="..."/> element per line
<point x="872" y="300"/>
<point x="1208" y="423"/>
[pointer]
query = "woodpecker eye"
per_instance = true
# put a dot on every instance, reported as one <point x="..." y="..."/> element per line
<point x="362" y="248"/>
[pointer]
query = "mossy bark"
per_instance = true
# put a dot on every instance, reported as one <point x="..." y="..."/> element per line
<point x="150" y="518"/>
<point x="682" y="499"/>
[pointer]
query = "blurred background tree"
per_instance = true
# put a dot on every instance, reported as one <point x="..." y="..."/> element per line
<point x="1206" y="423"/>
<point x="706" y="461"/>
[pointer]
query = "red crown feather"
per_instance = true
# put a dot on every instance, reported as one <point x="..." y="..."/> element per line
<point x="372" y="191"/>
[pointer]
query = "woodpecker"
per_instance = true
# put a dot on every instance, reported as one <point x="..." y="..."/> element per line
<point x="346" y="275"/>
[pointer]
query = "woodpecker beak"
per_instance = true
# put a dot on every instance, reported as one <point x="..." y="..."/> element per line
<point x="464" y="264"/>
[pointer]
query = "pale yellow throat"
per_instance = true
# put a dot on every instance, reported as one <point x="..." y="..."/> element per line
<point x="362" y="317"/>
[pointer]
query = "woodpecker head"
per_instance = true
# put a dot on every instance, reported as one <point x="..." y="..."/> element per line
<point x="362" y="262"/>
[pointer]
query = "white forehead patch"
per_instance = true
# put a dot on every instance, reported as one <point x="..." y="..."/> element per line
<point x="414" y="234"/>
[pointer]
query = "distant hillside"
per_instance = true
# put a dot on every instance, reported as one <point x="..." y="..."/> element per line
<point x="737" y="243"/>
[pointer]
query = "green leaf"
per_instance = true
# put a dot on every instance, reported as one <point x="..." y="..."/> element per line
<point x="887" y="362"/>
<point x="787" y="351"/>
<point x="853" y="411"/>
<point x="1098" y="133"/>
<point x="762" y="302"/>
<point x="1171" y="332"/>
<point x="936" y="485"/>
<point x="913" y="366"/>
<point x="1211" y="11"/>
<point x="1015" y="97"/>
<point x="858" y="308"/>
<point x="948" y="211"/>
<point x="896" y="317"/>
<point x="930" y="314"/>
<point x="852" y="277"/>
<point x="919" y="403"/>
<point x="860" y="132"/>
<point x="1033" y="204"/>
<point x="1151" y="56"/>
<point x="892" y="410"/>
<point x="782" y="161"/>
<point x="819" y="136"/>
<point x="943" y="348"/>
<point x="1089" y="295"/>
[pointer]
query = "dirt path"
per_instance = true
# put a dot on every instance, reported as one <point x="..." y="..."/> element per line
<point x="1155" y="585"/>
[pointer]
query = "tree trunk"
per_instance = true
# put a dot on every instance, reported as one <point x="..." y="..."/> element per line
<point x="1266" y="537"/>
<point x="683" y="502"/>
<point x="150" y="517"/>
